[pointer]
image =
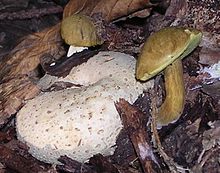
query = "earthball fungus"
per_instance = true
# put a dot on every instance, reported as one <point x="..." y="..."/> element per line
<point x="82" y="121"/>
<point x="164" y="50"/>
<point x="79" y="32"/>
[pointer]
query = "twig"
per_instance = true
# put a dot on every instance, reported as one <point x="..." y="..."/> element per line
<point x="30" y="13"/>
<point x="207" y="156"/>
<point x="174" y="167"/>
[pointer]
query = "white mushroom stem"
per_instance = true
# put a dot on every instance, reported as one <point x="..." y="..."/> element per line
<point x="80" y="122"/>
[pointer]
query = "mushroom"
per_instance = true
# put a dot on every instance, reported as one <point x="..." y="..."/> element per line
<point x="164" y="50"/>
<point x="80" y="122"/>
<point x="79" y="32"/>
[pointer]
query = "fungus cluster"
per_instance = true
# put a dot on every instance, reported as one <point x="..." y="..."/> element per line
<point x="82" y="121"/>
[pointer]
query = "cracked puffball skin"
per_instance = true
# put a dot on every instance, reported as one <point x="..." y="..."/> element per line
<point x="164" y="50"/>
<point x="80" y="122"/>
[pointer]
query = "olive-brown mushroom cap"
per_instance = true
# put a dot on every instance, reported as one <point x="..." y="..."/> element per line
<point x="163" y="48"/>
<point x="79" y="30"/>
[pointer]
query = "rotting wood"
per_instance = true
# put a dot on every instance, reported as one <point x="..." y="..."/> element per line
<point x="134" y="122"/>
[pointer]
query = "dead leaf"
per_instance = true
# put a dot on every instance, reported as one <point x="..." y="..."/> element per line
<point x="212" y="89"/>
<point x="16" y="86"/>
<point x="209" y="56"/>
<point x="14" y="92"/>
<point x="211" y="137"/>
<point x="141" y="14"/>
<point x="25" y="57"/>
<point x="110" y="9"/>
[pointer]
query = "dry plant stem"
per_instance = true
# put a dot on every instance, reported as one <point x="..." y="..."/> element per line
<point x="168" y="160"/>
<point x="173" y="105"/>
<point x="201" y="161"/>
<point x="207" y="156"/>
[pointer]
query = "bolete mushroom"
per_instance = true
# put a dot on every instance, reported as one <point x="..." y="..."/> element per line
<point x="164" y="50"/>
<point x="81" y="122"/>
<point x="79" y="32"/>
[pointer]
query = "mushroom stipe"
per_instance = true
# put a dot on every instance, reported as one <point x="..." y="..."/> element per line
<point x="163" y="48"/>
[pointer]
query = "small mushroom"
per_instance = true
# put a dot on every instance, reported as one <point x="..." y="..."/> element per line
<point x="81" y="122"/>
<point x="79" y="32"/>
<point x="164" y="50"/>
